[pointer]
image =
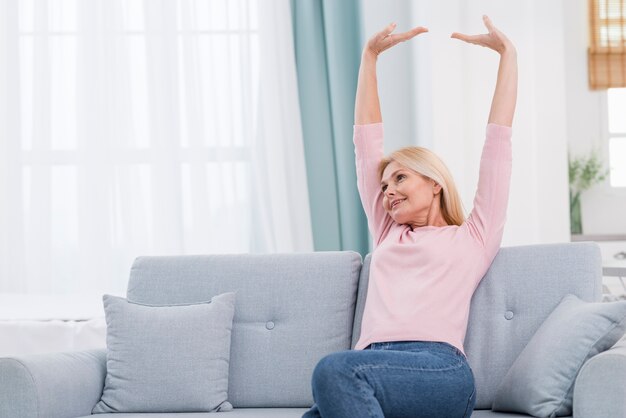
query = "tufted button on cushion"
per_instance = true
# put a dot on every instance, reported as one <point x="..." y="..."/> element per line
<point x="508" y="315"/>
<point x="269" y="325"/>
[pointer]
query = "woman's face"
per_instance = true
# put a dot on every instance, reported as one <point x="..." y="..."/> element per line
<point x="407" y="195"/>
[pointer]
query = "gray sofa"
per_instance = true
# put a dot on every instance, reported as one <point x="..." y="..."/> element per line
<point x="293" y="309"/>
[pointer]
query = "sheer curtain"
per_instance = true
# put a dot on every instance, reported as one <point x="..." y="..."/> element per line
<point x="136" y="127"/>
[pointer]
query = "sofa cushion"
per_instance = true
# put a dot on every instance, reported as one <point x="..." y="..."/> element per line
<point x="167" y="358"/>
<point x="235" y="413"/>
<point x="282" y="413"/>
<point x="518" y="292"/>
<point x="541" y="380"/>
<point x="292" y="310"/>
<point x="492" y="414"/>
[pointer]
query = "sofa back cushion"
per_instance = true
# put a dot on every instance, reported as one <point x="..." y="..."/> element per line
<point x="291" y="310"/>
<point x="521" y="288"/>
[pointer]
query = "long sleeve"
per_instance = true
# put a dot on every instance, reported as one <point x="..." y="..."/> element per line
<point x="422" y="280"/>
<point x="368" y="149"/>
<point x="487" y="218"/>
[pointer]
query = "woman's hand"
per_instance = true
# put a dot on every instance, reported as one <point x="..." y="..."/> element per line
<point x="367" y="104"/>
<point x="385" y="39"/>
<point x="495" y="39"/>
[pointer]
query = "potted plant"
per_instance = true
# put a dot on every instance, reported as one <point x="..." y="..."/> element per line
<point x="584" y="172"/>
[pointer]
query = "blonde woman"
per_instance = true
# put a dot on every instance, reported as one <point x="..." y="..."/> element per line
<point x="427" y="261"/>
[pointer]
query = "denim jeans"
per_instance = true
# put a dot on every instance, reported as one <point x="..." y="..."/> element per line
<point x="402" y="379"/>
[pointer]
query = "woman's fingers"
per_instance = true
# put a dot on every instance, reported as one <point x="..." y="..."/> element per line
<point x="460" y="36"/>
<point x="385" y="39"/>
<point x="488" y="24"/>
<point x="396" y="38"/>
<point x="413" y="32"/>
<point x="472" y="39"/>
<point x="387" y="31"/>
<point x="403" y="36"/>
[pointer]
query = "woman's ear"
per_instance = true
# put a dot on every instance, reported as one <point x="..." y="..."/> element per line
<point x="436" y="188"/>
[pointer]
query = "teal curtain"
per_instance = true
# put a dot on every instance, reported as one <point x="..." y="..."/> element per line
<point x="328" y="51"/>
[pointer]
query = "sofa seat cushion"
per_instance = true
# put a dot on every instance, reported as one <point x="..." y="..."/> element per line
<point x="291" y="311"/>
<point x="517" y="294"/>
<point x="235" y="413"/>
<point x="284" y="413"/>
<point x="492" y="414"/>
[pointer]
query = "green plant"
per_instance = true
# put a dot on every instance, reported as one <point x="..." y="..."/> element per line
<point x="584" y="172"/>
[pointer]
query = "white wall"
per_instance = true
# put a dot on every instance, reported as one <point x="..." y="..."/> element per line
<point x="603" y="207"/>
<point x="452" y="84"/>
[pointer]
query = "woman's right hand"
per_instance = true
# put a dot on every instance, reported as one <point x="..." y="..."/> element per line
<point x="367" y="104"/>
<point x="385" y="39"/>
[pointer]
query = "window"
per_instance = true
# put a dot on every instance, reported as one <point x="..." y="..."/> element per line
<point x="139" y="127"/>
<point x="616" y="106"/>
<point x="132" y="135"/>
<point x="607" y="71"/>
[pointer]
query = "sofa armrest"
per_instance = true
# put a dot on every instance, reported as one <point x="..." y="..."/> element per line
<point x="55" y="385"/>
<point x="600" y="388"/>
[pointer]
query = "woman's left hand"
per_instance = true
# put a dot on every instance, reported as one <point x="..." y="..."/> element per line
<point x="495" y="39"/>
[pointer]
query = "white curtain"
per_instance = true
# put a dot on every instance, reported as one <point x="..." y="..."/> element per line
<point x="144" y="127"/>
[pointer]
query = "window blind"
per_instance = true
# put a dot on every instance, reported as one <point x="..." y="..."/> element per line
<point x="607" y="44"/>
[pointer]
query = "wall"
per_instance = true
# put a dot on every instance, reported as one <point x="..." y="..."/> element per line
<point x="449" y="87"/>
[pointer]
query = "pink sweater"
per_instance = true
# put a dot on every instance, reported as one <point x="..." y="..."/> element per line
<point x="421" y="282"/>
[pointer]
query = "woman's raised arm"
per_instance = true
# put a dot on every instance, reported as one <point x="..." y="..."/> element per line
<point x="488" y="216"/>
<point x="505" y="95"/>
<point x="367" y="105"/>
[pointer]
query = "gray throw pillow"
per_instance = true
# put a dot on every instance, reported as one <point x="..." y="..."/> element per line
<point x="167" y="358"/>
<point x="541" y="380"/>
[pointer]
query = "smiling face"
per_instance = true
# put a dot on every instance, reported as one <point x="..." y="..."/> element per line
<point x="409" y="197"/>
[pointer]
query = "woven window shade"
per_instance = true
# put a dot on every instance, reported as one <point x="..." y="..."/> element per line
<point x="607" y="50"/>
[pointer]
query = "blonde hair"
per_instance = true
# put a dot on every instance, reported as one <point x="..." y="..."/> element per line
<point x="428" y="164"/>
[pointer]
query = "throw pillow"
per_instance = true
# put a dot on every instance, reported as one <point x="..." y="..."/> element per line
<point x="167" y="358"/>
<point x="541" y="380"/>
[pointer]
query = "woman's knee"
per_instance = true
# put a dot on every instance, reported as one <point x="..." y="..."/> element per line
<point x="331" y="367"/>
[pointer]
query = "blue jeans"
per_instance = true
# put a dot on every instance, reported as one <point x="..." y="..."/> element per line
<point x="402" y="379"/>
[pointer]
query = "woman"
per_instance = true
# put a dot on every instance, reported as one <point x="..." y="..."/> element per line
<point x="427" y="261"/>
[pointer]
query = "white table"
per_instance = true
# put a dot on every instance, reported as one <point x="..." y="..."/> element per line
<point x="615" y="267"/>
